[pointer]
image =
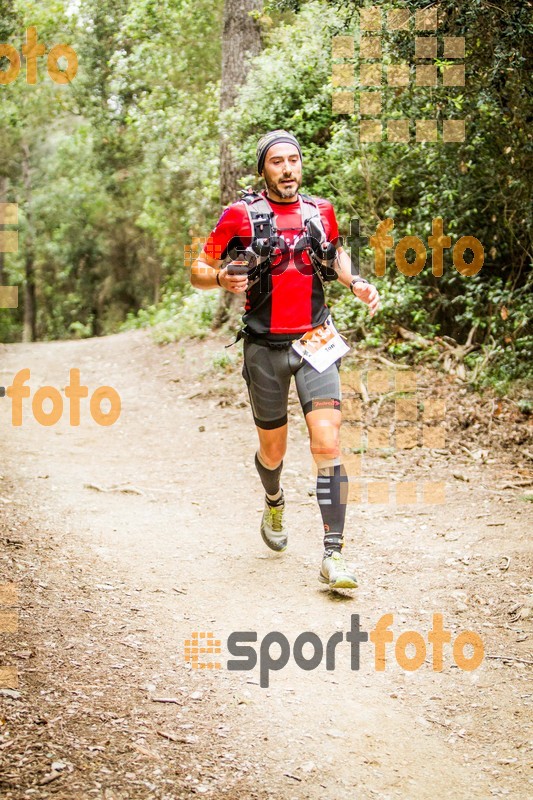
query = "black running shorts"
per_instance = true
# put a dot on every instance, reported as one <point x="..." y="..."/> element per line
<point x="268" y="372"/>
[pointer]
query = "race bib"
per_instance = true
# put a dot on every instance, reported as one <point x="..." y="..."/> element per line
<point x="321" y="346"/>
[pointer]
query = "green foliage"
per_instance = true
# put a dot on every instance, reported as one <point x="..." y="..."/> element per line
<point x="123" y="168"/>
<point x="224" y="362"/>
<point x="478" y="188"/>
<point x="177" y="316"/>
<point x="128" y="171"/>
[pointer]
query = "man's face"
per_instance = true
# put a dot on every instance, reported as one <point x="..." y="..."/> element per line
<point x="282" y="171"/>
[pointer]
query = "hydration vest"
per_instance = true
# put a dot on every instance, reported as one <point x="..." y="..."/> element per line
<point x="266" y="241"/>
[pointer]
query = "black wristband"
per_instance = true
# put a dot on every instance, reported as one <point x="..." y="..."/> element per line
<point x="218" y="280"/>
<point x="357" y="279"/>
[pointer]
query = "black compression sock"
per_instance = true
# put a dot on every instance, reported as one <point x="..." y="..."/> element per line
<point x="331" y="493"/>
<point x="270" y="478"/>
<point x="278" y="502"/>
<point x="333" y="541"/>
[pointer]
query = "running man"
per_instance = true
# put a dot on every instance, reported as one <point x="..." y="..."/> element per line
<point x="285" y="300"/>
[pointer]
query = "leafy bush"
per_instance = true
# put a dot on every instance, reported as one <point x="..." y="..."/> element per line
<point x="177" y="316"/>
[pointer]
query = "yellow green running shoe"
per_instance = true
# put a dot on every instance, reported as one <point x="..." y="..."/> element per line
<point x="335" y="572"/>
<point x="272" y="528"/>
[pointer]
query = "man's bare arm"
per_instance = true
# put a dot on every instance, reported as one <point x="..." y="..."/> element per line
<point x="204" y="273"/>
<point x="363" y="291"/>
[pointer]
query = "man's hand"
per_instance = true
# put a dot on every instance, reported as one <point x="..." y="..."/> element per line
<point x="233" y="283"/>
<point x="361" y="289"/>
<point x="368" y="294"/>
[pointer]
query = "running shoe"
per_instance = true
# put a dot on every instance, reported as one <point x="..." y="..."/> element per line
<point x="335" y="572"/>
<point x="272" y="528"/>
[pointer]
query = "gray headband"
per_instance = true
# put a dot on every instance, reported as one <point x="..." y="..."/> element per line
<point x="269" y="139"/>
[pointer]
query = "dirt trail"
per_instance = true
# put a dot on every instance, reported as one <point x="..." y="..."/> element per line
<point x="111" y="584"/>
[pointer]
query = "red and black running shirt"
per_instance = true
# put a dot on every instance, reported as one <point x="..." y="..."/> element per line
<point x="289" y="299"/>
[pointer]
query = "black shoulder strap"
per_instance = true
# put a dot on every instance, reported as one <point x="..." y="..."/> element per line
<point x="260" y="214"/>
<point x="311" y="211"/>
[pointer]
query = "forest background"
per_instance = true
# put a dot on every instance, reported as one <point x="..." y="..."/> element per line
<point x="120" y="173"/>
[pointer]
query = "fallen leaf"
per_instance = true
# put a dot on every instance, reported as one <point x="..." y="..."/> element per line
<point x="49" y="778"/>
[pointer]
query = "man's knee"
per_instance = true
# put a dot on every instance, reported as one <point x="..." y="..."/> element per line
<point x="272" y="448"/>
<point x="326" y="455"/>
<point x="271" y="456"/>
<point x="324" y="440"/>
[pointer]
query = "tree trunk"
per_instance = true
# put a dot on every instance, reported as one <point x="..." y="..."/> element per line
<point x="28" y="331"/>
<point x="241" y="40"/>
<point x="3" y="196"/>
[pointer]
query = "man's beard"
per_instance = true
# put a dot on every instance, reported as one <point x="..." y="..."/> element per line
<point x="286" y="192"/>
